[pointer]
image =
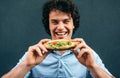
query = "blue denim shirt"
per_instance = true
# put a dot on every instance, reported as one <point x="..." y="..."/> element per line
<point x="62" y="66"/>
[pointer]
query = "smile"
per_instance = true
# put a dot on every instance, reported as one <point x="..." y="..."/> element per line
<point x="61" y="33"/>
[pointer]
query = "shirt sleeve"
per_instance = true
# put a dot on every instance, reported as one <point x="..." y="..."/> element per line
<point x="100" y="63"/>
<point x="21" y="60"/>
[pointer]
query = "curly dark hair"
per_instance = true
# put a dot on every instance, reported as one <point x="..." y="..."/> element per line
<point x="66" y="6"/>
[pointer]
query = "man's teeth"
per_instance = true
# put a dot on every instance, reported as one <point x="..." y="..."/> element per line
<point x="61" y="33"/>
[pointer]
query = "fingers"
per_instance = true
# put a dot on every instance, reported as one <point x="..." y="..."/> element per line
<point x="82" y="46"/>
<point x="44" y="41"/>
<point x="42" y="48"/>
<point x="78" y="40"/>
<point x="83" y="53"/>
<point x="37" y="53"/>
<point x="35" y="50"/>
<point x="39" y="48"/>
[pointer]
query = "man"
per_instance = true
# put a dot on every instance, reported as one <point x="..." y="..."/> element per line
<point x="60" y="19"/>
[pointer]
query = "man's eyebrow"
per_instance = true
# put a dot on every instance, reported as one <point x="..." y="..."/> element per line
<point x="67" y="19"/>
<point x="53" y="19"/>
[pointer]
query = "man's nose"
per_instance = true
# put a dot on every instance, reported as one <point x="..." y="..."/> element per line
<point x="61" y="25"/>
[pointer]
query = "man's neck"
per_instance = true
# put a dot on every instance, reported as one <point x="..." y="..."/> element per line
<point x="61" y="52"/>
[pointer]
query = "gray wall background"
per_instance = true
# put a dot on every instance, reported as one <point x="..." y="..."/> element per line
<point x="20" y="27"/>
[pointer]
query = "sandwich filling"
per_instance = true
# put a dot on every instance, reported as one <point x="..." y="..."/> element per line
<point x="59" y="44"/>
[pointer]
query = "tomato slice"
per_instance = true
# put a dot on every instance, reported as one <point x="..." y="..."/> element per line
<point x="54" y="42"/>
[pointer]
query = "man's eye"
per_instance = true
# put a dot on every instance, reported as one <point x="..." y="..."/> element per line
<point x="66" y="21"/>
<point x="54" y="22"/>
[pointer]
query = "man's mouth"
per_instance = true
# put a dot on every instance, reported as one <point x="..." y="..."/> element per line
<point x="61" y="34"/>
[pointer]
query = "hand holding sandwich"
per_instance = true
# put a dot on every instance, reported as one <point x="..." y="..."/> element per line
<point x="85" y="56"/>
<point x="35" y="53"/>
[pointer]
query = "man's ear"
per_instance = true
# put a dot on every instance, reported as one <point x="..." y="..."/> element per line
<point x="73" y="26"/>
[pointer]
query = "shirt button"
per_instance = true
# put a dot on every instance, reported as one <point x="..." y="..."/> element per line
<point x="61" y="67"/>
<point x="61" y="73"/>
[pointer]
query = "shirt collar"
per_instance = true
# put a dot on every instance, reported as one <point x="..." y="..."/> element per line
<point x="66" y="53"/>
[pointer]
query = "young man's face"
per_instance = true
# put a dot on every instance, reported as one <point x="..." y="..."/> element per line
<point x="60" y="24"/>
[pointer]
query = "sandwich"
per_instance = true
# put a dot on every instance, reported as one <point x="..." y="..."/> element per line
<point x="60" y="44"/>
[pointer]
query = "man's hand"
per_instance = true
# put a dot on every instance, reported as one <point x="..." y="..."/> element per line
<point x="34" y="56"/>
<point x="85" y="56"/>
<point x="36" y="53"/>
